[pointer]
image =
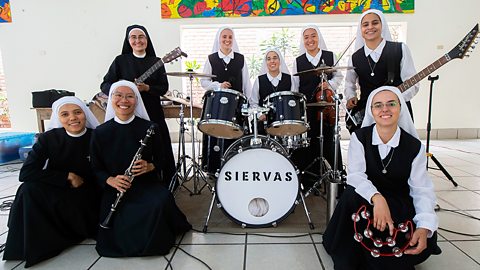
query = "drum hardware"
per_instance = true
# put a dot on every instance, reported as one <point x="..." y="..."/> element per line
<point x="194" y="168"/>
<point x="327" y="172"/>
<point x="321" y="70"/>
<point x="190" y="74"/>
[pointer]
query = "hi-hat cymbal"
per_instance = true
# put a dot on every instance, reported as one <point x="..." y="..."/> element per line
<point x="182" y="101"/>
<point x="320" y="104"/>
<point x="320" y="70"/>
<point x="190" y="74"/>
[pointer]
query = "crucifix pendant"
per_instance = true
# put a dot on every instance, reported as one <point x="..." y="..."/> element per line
<point x="372" y="74"/>
<point x="384" y="171"/>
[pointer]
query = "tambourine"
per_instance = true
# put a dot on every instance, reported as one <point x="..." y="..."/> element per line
<point x="373" y="243"/>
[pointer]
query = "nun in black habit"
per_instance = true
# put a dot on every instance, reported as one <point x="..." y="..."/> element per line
<point x="57" y="204"/>
<point x="138" y="55"/>
<point x="147" y="220"/>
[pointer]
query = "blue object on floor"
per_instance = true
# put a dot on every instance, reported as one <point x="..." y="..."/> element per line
<point x="23" y="152"/>
<point x="10" y="142"/>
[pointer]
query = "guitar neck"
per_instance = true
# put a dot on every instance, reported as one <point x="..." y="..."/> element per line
<point x="149" y="71"/>
<point x="424" y="73"/>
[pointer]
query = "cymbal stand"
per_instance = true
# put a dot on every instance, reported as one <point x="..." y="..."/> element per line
<point x="194" y="167"/>
<point x="181" y="157"/>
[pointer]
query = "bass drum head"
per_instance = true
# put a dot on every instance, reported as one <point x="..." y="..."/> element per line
<point x="257" y="187"/>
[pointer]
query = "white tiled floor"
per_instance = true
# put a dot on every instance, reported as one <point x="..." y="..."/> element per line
<point x="280" y="251"/>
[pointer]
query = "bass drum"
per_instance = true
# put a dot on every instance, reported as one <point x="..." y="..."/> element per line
<point x="257" y="185"/>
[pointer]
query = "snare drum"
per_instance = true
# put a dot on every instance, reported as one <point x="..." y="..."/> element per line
<point x="287" y="115"/>
<point x="222" y="114"/>
<point x="295" y="141"/>
<point x="257" y="185"/>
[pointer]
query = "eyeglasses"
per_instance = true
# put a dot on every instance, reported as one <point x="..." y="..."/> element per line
<point x="117" y="95"/>
<point x="390" y="105"/>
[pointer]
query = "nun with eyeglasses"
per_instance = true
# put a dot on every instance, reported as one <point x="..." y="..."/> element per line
<point x="385" y="218"/>
<point x="57" y="204"/>
<point x="137" y="56"/>
<point x="147" y="221"/>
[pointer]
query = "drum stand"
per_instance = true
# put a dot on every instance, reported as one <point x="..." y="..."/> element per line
<point x="256" y="141"/>
<point x="326" y="171"/>
<point x="194" y="168"/>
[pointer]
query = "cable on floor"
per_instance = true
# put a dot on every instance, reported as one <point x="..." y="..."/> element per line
<point x="438" y="208"/>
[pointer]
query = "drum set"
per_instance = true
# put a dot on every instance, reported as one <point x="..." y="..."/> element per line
<point x="257" y="185"/>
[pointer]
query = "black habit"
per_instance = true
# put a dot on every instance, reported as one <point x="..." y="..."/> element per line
<point x="129" y="67"/>
<point x="48" y="215"/>
<point x="147" y="220"/>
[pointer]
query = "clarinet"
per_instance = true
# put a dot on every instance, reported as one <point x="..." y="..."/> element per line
<point x="128" y="172"/>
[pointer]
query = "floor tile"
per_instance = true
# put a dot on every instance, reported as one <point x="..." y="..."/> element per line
<point x="464" y="200"/>
<point x="213" y="238"/>
<point x="224" y="257"/>
<point x="472" y="248"/>
<point x="282" y="257"/>
<point x="77" y="257"/>
<point x="153" y="262"/>
<point x="326" y="260"/>
<point x="451" y="258"/>
<point x="269" y="238"/>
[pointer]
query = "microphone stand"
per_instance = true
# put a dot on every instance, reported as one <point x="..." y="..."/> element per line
<point x="429" y="126"/>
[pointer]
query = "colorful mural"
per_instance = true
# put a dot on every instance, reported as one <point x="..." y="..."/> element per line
<point x="244" y="8"/>
<point x="5" y="13"/>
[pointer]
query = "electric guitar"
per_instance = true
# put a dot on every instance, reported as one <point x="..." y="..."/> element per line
<point x="100" y="99"/>
<point x="465" y="46"/>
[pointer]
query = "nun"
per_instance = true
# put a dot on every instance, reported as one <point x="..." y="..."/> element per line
<point x="378" y="61"/>
<point x="138" y="55"/>
<point x="147" y="220"/>
<point x="274" y="77"/>
<point x="57" y="204"/>
<point x="230" y="69"/>
<point x="385" y="218"/>
<point x="314" y="54"/>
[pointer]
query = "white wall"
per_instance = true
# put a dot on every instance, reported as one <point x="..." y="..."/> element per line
<point x="70" y="44"/>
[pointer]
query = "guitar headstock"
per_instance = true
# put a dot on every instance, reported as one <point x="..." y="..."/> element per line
<point x="174" y="55"/>
<point x="466" y="45"/>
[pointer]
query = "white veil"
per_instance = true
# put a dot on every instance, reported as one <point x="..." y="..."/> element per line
<point x="321" y="42"/>
<point x="404" y="121"/>
<point x="91" y="120"/>
<point x="140" y="110"/>
<point x="283" y="65"/>
<point x="359" y="41"/>
<point x="216" y="42"/>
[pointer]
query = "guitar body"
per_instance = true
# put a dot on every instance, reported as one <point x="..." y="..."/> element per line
<point x="98" y="105"/>
<point x="458" y="51"/>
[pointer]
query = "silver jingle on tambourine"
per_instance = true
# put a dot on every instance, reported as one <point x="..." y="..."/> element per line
<point x="358" y="237"/>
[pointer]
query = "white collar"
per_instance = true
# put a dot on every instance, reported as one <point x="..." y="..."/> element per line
<point x="375" y="53"/>
<point x="393" y="142"/>
<point x="128" y="121"/>
<point x="77" y="135"/>
<point x="221" y="55"/>
<point x="271" y="78"/>
<point x="140" y="55"/>
<point x="314" y="59"/>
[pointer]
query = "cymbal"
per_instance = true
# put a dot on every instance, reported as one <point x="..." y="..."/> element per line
<point x="320" y="70"/>
<point x="320" y="104"/>
<point x="190" y="74"/>
<point x="182" y="101"/>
